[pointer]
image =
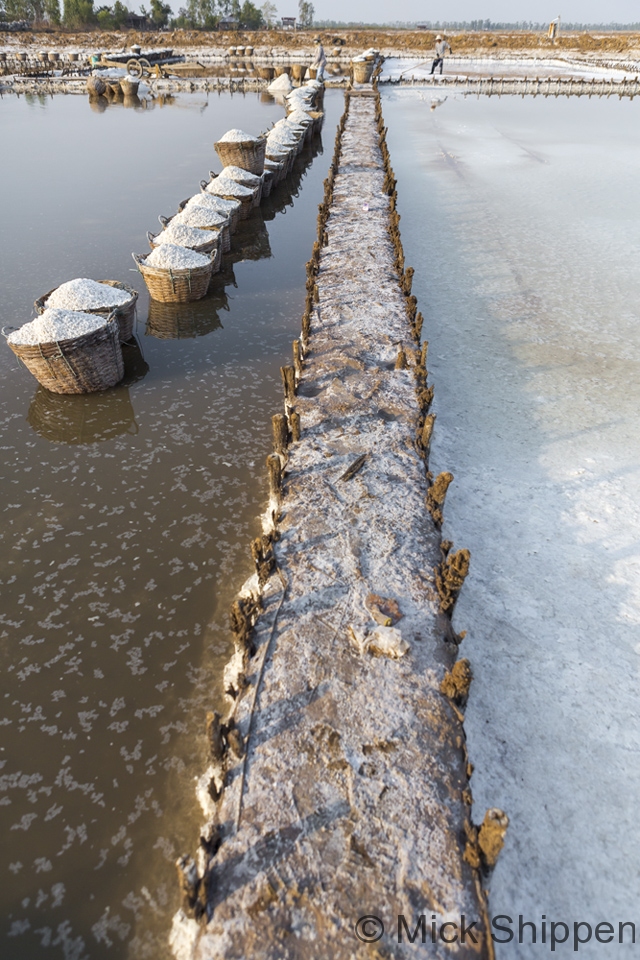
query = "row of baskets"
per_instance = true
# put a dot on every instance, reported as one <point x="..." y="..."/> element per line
<point x="251" y="167"/>
<point x="94" y="361"/>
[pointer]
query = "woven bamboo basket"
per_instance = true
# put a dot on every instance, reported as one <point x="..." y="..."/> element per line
<point x="129" y="86"/>
<point x="231" y="190"/>
<point x="82" y="365"/>
<point x="362" y="70"/>
<point x="249" y="180"/>
<point x="313" y="73"/>
<point x="126" y="312"/>
<point x="96" y="86"/>
<point x="223" y="230"/>
<point x="175" y="286"/>
<point x="267" y="182"/>
<point x="297" y="71"/>
<point x="208" y="247"/>
<point x="182" y="321"/>
<point x="228" y="208"/>
<point x="279" y="162"/>
<point x="266" y="73"/>
<point x="248" y="154"/>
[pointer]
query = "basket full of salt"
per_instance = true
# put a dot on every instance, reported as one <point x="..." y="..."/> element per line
<point x="175" y="274"/>
<point x="68" y="351"/>
<point x="240" y="149"/>
<point x="101" y="297"/>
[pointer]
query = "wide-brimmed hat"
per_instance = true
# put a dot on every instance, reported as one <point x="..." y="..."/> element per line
<point x="438" y="37"/>
<point x="316" y="39"/>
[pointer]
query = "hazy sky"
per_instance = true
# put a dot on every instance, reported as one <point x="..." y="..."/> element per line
<point x="582" y="11"/>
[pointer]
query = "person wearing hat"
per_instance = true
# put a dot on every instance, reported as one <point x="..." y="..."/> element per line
<point x="320" y="61"/>
<point x="441" y="51"/>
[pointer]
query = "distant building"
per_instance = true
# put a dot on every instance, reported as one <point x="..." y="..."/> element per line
<point x="421" y="26"/>
<point x="228" y="23"/>
<point x="288" y="23"/>
<point x="136" y="22"/>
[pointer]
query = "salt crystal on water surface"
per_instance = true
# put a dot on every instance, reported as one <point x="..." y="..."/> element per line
<point x="55" y="324"/>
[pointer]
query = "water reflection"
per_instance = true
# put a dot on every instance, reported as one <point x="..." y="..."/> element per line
<point x="89" y="418"/>
<point x="180" y="321"/>
<point x="120" y="557"/>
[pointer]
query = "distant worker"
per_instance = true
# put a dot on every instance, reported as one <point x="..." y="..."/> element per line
<point x="320" y="61"/>
<point x="441" y="51"/>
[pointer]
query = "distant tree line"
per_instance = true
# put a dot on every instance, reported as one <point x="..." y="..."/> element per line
<point x="198" y="14"/>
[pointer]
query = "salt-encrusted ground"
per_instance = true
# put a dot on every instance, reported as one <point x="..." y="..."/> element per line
<point x="352" y="797"/>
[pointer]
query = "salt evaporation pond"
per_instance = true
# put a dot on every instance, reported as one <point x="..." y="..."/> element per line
<point x="127" y="516"/>
<point x="522" y="218"/>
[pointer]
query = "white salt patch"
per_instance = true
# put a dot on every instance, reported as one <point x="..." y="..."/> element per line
<point x="83" y="294"/>
<point x="184" y="236"/>
<point x="199" y="216"/>
<point x="55" y="324"/>
<point x="240" y="176"/>
<point x="281" y="84"/>
<point x="172" y="256"/>
<point x="237" y="136"/>
<point x="218" y="204"/>
<point x="226" y="187"/>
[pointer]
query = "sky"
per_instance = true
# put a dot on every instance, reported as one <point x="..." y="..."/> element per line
<point x="381" y="11"/>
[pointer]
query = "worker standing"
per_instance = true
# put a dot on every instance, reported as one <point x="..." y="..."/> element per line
<point x="441" y="51"/>
<point x="320" y="61"/>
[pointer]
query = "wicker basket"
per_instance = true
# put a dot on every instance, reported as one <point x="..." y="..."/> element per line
<point x="125" y="312"/>
<point x="233" y="214"/>
<point x="175" y="286"/>
<point x="250" y="181"/>
<point x="234" y="191"/>
<point x="129" y="86"/>
<point x="207" y="247"/>
<point x="183" y="321"/>
<point x="248" y="154"/>
<point x="96" y="86"/>
<point x="82" y="365"/>
<point x="362" y="70"/>
<point x="298" y="71"/>
<point x="268" y="178"/>
<point x="81" y="420"/>
<point x="223" y="231"/>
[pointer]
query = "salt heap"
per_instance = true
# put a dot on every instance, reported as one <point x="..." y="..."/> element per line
<point x="281" y="84"/>
<point x="173" y="257"/>
<point x="199" y="216"/>
<point x="237" y="136"/>
<point x="245" y="177"/>
<point x="55" y="324"/>
<point x="83" y="294"/>
<point x="226" y="187"/>
<point x="184" y="235"/>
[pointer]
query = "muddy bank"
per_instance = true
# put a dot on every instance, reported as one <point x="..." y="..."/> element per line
<point x="344" y="42"/>
<point x="339" y="783"/>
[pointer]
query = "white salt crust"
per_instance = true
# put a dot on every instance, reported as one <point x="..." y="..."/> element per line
<point x="172" y="256"/>
<point x="184" y="236"/>
<point x="55" y="324"/>
<point x="237" y="136"/>
<point x="84" y="294"/>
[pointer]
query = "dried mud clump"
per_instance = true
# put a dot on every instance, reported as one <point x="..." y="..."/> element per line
<point x="450" y="576"/>
<point x="436" y="496"/>
<point x="456" y="684"/>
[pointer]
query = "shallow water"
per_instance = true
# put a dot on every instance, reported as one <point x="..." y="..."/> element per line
<point x="522" y="219"/>
<point x="127" y="515"/>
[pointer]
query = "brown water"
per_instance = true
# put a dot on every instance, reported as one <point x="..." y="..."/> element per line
<point x="127" y="515"/>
